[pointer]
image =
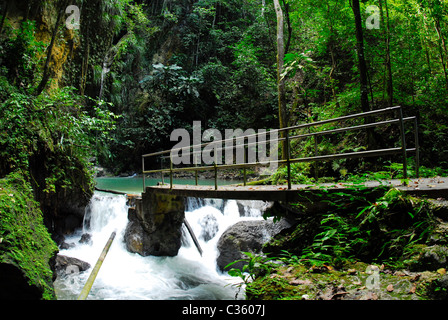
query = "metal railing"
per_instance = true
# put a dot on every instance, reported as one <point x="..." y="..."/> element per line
<point x="287" y="138"/>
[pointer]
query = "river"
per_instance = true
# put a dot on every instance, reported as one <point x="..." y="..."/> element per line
<point x="129" y="276"/>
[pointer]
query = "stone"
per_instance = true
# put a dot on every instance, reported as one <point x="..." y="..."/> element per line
<point x="86" y="238"/>
<point x="246" y="236"/>
<point x="434" y="257"/>
<point x="439" y="208"/>
<point x="67" y="265"/>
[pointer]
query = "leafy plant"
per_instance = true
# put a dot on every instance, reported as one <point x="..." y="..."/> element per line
<point x="253" y="266"/>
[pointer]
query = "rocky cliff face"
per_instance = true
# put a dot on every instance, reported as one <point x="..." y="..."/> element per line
<point x="45" y="16"/>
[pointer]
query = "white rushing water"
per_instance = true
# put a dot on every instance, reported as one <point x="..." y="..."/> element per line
<point x="129" y="276"/>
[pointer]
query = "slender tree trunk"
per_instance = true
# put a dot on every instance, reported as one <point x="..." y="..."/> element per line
<point x="442" y="49"/>
<point x="361" y="58"/>
<point x="281" y="82"/>
<point x="371" y="141"/>
<point x="333" y="60"/>
<point x="288" y="23"/>
<point x="4" y="14"/>
<point x="389" y="84"/>
<point x="46" y="72"/>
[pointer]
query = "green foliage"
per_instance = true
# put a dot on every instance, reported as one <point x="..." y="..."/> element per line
<point x="299" y="173"/>
<point x="355" y="229"/>
<point x="24" y="241"/>
<point x="56" y="124"/>
<point x="21" y="51"/>
<point x="254" y="265"/>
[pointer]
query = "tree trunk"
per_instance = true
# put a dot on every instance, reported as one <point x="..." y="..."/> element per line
<point x="361" y="59"/>
<point x="371" y="141"/>
<point x="288" y="23"/>
<point x="46" y="72"/>
<point x="389" y="84"/>
<point x="4" y="14"/>
<point x="281" y="81"/>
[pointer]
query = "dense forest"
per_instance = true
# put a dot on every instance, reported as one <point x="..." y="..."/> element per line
<point x="117" y="84"/>
<point x="101" y="82"/>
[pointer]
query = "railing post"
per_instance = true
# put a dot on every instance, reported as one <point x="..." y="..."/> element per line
<point x="196" y="178"/>
<point x="244" y="168"/>
<point x="403" y="144"/>
<point x="417" y="150"/>
<point x="316" y="168"/>
<point x="216" y="169"/>
<point x="143" y="173"/>
<point x="161" y="172"/>
<point x="171" y="173"/>
<point x="288" y="160"/>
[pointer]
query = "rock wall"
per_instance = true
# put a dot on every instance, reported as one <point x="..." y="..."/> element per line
<point x="155" y="225"/>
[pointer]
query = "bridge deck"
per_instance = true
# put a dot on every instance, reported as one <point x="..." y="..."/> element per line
<point x="430" y="187"/>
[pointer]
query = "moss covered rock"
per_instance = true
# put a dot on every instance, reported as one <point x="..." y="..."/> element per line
<point x="26" y="249"/>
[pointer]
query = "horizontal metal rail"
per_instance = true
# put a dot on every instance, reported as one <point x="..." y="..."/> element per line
<point x="306" y="135"/>
<point x="348" y="155"/>
<point x="301" y="126"/>
<point x="218" y="145"/>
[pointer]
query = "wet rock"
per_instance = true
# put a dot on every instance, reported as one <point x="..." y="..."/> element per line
<point x="429" y="258"/>
<point x="246" y="236"/>
<point x="65" y="245"/>
<point x="86" y="238"/>
<point x="435" y="257"/>
<point x="68" y="265"/>
<point x="439" y="208"/>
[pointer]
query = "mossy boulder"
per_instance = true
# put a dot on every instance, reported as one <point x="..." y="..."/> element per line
<point x="27" y="252"/>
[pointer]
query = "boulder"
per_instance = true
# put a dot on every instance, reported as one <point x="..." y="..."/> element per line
<point x="434" y="257"/>
<point x="439" y="208"/>
<point x="68" y="265"/>
<point x="86" y="238"/>
<point x="246" y="236"/>
<point x="422" y="257"/>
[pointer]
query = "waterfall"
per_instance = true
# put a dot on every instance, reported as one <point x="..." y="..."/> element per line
<point x="107" y="62"/>
<point x="126" y="275"/>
